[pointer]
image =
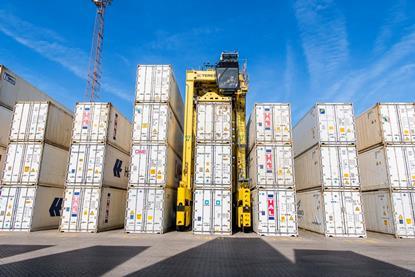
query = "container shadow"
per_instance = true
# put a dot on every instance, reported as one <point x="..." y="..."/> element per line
<point x="8" y="250"/>
<point x="255" y="257"/>
<point x="90" y="261"/>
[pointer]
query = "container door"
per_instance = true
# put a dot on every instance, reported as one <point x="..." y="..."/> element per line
<point x="410" y="159"/>
<point x="148" y="164"/>
<point x="29" y="122"/>
<point x="265" y="165"/>
<point x="8" y="202"/>
<point x="202" y="211"/>
<point x="272" y="211"/>
<point x="327" y="123"/>
<point x="90" y="208"/>
<point x="221" y="211"/>
<point x="330" y="166"/>
<point x="390" y="123"/>
<point x="267" y="128"/>
<point x="204" y="129"/>
<point x="150" y="122"/>
<point x="134" y="210"/>
<point x="284" y="166"/>
<point x="86" y="164"/>
<point x="407" y="121"/>
<point x="154" y="211"/>
<point x="13" y="165"/>
<point x="345" y="123"/>
<point x="72" y="209"/>
<point x="348" y="167"/>
<point x="259" y="123"/>
<point x="204" y="164"/>
<point x="286" y="212"/>
<point x="222" y="122"/>
<point x="91" y="122"/>
<point x="24" y="212"/>
<point x="333" y="208"/>
<point x="262" y="211"/>
<point x="353" y="215"/>
<point x="222" y="165"/>
<point x="282" y="123"/>
<point x="397" y="167"/>
<point x="403" y="203"/>
<point x="153" y="83"/>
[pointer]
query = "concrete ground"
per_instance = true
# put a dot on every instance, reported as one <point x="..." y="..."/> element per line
<point x="115" y="253"/>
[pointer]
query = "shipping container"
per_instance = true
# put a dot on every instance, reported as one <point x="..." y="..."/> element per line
<point x="41" y="122"/>
<point x="150" y="210"/>
<point x="390" y="212"/>
<point x="213" y="166"/>
<point x="6" y="117"/>
<point x="274" y="212"/>
<point x="212" y="212"/>
<point x="327" y="167"/>
<point x="154" y="165"/>
<point x="386" y="123"/>
<point x="3" y="151"/>
<point x="333" y="213"/>
<point x="96" y="165"/>
<point x="101" y="123"/>
<point x="388" y="166"/>
<point x="92" y="209"/>
<point x="156" y="84"/>
<point x="325" y="124"/>
<point x="156" y="123"/>
<point x="24" y="208"/>
<point x="269" y="123"/>
<point x="35" y="164"/>
<point x="271" y="166"/>
<point x="214" y="122"/>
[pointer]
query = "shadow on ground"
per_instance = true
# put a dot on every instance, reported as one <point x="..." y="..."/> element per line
<point x="91" y="261"/>
<point x="7" y="250"/>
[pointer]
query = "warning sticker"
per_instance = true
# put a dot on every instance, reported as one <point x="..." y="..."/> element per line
<point x="271" y="207"/>
<point x="267" y="120"/>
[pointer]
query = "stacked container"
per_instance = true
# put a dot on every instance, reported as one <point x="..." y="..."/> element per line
<point x="97" y="173"/>
<point x="34" y="171"/>
<point x="386" y="145"/>
<point x="326" y="172"/>
<point x="270" y="168"/>
<point x="157" y="142"/>
<point x="213" y="170"/>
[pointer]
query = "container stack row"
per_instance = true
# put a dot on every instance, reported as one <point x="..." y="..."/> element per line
<point x="97" y="171"/>
<point x="270" y="170"/>
<point x="386" y="145"/>
<point x="213" y="168"/>
<point x="156" y="153"/>
<point x="35" y="166"/>
<point x="326" y="172"/>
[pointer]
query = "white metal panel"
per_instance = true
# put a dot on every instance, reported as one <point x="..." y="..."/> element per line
<point x="212" y="212"/>
<point x="29" y="121"/>
<point x="390" y="123"/>
<point x="404" y="213"/>
<point x="378" y="211"/>
<point x="6" y="117"/>
<point x="406" y="113"/>
<point x="214" y="122"/>
<point x="86" y="164"/>
<point x="310" y="211"/>
<point x="3" y="152"/>
<point x="91" y="122"/>
<point x="213" y="165"/>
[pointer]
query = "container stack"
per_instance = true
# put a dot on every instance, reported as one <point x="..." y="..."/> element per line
<point x="157" y="145"/>
<point x="270" y="168"/>
<point x="97" y="173"/>
<point x="213" y="170"/>
<point x="34" y="171"/>
<point x="326" y="172"/>
<point x="386" y="145"/>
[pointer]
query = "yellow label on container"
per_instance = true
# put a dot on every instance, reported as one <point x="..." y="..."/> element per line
<point x="132" y="212"/>
<point x="385" y="222"/>
<point x="152" y="171"/>
<point x="92" y="213"/>
<point x="280" y="172"/>
<point x="346" y="174"/>
<point x="408" y="221"/>
<point x="139" y="216"/>
<point x="26" y="169"/>
<point x="282" y="218"/>
<point x="291" y="218"/>
<point x="144" y="125"/>
<point x="150" y="217"/>
<point x="342" y="130"/>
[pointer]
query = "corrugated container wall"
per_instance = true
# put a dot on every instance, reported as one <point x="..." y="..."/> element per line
<point x="386" y="123"/>
<point x="325" y="124"/>
<point x="6" y="117"/>
<point x="3" y="151"/>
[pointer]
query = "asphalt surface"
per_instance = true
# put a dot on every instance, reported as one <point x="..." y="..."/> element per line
<point x="114" y="253"/>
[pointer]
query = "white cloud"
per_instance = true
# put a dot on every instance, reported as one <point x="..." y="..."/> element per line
<point x="289" y="72"/>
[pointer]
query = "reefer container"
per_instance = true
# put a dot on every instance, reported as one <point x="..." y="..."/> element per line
<point x="156" y="123"/>
<point x="156" y="84"/>
<point x="271" y="166"/>
<point x="269" y="123"/>
<point x="24" y="208"/>
<point x="325" y="124"/>
<point x="150" y="210"/>
<point x="96" y="165"/>
<point x="6" y="116"/>
<point x="154" y="165"/>
<point x="386" y="123"/>
<point x="333" y="213"/>
<point x="92" y="209"/>
<point x="327" y="167"/>
<point x="212" y="212"/>
<point x="390" y="212"/>
<point x="101" y="123"/>
<point x="3" y="151"/>
<point x="41" y="122"/>
<point x="35" y="164"/>
<point x="274" y="212"/>
<point x="213" y="166"/>
<point x="388" y="166"/>
<point x="214" y="122"/>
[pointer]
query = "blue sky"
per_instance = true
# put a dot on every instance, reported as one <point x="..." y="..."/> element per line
<point x="299" y="52"/>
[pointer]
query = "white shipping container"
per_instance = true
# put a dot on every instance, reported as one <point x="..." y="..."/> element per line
<point x="34" y="164"/>
<point x="6" y="117"/>
<point x="388" y="166"/>
<point x="271" y="166"/>
<point x="41" y="122"/>
<point x="212" y="212"/>
<point x="96" y="165"/>
<point x="333" y="213"/>
<point x="30" y="208"/>
<point x="386" y="123"/>
<point x="154" y="165"/>
<point x="3" y="151"/>
<point x="213" y="166"/>
<point x="269" y="123"/>
<point x="214" y="122"/>
<point x="325" y="124"/>
<point x="274" y="212"/>
<point x="150" y="210"/>
<point x="390" y="212"/>
<point x="92" y="209"/>
<point x="156" y="84"/>
<point x="327" y="167"/>
<point x="99" y="123"/>
<point x="156" y="123"/>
